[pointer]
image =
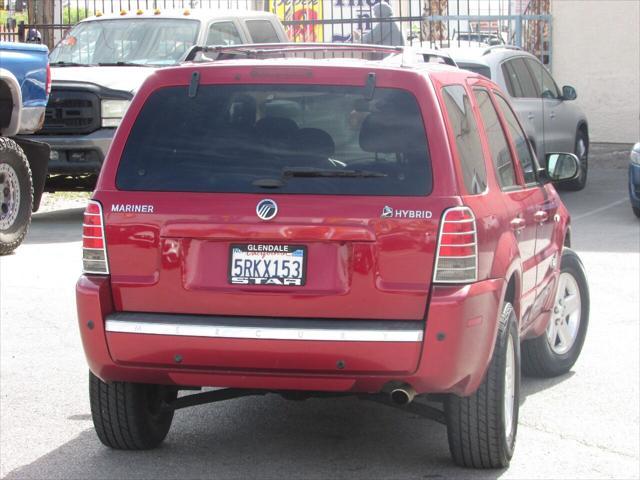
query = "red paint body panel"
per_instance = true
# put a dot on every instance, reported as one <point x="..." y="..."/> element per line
<point x="454" y="364"/>
<point x="173" y="259"/>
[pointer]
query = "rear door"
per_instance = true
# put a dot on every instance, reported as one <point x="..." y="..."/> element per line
<point x="278" y="200"/>
<point x="536" y="209"/>
<point x="525" y="99"/>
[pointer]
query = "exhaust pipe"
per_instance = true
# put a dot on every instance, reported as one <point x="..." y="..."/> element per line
<point x="403" y="395"/>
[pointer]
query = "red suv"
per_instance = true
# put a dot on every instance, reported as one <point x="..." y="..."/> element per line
<point x="326" y="226"/>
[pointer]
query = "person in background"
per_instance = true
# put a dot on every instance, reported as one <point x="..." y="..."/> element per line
<point x="383" y="33"/>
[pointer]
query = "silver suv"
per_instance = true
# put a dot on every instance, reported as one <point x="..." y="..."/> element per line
<point x="553" y="122"/>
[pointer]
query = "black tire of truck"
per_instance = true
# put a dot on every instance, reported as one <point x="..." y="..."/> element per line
<point x="15" y="203"/>
<point x="539" y="358"/>
<point x="129" y="416"/>
<point x="482" y="427"/>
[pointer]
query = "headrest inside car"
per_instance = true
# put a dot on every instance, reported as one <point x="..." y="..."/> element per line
<point x="314" y="141"/>
<point x="391" y="133"/>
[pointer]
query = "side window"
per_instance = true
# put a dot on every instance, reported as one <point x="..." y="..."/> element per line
<point x="525" y="156"/>
<point x="513" y="87"/>
<point x="498" y="144"/>
<point x="468" y="143"/>
<point x="262" y="31"/>
<point x="544" y="82"/>
<point x="223" y="33"/>
<point x="521" y="79"/>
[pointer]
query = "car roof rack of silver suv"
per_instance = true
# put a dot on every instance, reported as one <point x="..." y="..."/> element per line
<point x="498" y="47"/>
<point x="197" y="53"/>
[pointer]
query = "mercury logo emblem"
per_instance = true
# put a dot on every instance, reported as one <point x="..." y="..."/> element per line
<point x="266" y="209"/>
<point x="387" y="212"/>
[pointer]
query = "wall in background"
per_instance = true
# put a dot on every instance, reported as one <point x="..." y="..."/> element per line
<point x="596" y="48"/>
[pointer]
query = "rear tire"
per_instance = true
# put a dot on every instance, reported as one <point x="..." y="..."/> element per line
<point x="636" y="211"/>
<point x="16" y="195"/>
<point x="552" y="354"/>
<point x="582" y="152"/>
<point x="482" y="427"/>
<point x="128" y="416"/>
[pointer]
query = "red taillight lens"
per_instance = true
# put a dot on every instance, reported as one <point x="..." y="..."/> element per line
<point x="94" y="248"/>
<point x="48" y="84"/>
<point x="457" y="256"/>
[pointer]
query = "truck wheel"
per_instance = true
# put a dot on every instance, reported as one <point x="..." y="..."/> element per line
<point x="555" y="351"/>
<point x="482" y="427"/>
<point x="16" y="195"/>
<point x="582" y="152"/>
<point x="128" y="416"/>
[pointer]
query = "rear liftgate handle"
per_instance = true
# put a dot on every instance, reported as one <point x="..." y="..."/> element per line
<point x="517" y="224"/>
<point x="541" y="216"/>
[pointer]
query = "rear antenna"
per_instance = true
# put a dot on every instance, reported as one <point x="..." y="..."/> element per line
<point x="193" y="86"/>
<point x="370" y="86"/>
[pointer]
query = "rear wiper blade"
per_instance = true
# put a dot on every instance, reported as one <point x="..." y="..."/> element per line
<point x="122" y="64"/>
<point x="320" y="172"/>
<point x="69" y="64"/>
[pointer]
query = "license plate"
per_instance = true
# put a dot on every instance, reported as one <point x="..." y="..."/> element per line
<point x="268" y="264"/>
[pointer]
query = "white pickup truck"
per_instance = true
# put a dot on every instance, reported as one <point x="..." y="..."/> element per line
<point x="102" y="61"/>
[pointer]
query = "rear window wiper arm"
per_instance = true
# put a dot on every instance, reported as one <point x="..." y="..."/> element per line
<point x="122" y="64"/>
<point x="69" y="64"/>
<point x="320" y="172"/>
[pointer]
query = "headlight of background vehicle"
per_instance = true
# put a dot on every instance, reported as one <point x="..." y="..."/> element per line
<point x="113" y="111"/>
<point x="635" y="154"/>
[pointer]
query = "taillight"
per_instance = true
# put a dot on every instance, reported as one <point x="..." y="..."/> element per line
<point x="48" y="84"/>
<point x="94" y="246"/>
<point x="457" y="255"/>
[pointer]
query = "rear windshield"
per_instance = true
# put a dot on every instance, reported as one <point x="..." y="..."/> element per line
<point x="475" y="68"/>
<point x="278" y="138"/>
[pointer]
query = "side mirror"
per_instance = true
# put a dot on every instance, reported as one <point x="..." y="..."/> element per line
<point x="562" y="167"/>
<point x="569" y="93"/>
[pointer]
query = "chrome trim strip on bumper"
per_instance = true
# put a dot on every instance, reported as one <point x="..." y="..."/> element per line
<point x="266" y="332"/>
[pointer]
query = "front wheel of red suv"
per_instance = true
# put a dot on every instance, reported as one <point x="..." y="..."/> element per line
<point x="557" y="349"/>
<point x="482" y="427"/>
<point x="128" y="416"/>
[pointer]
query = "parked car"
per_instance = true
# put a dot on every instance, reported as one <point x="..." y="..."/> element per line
<point x="553" y="122"/>
<point x="103" y="60"/>
<point x="326" y="227"/>
<point x="634" y="179"/>
<point x="24" y="86"/>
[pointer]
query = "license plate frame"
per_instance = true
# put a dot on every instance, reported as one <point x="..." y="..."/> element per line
<point x="271" y="252"/>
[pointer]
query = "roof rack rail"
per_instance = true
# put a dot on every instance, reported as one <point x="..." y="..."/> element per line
<point x="497" y="47"/>
<point x="257" y="50"/>
<point x="429" y="54"/>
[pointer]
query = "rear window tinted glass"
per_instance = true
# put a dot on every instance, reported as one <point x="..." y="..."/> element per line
<point x="475" y="68"/>
<point x="500" y="153"/>
<point x="278" y="139"/>
<point x="262" y="31"/>
<point x="467" y="137"/>
<point x="521" y="79"/>
<point x="520" y="140"/>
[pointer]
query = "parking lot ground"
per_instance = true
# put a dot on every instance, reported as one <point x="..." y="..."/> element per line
<point x="582" y="425"/>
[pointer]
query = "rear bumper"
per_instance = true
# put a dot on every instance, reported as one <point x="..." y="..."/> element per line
<point x="634" y="185"/>
<point x="449" y="355"/>
<point x="77" y="154"/>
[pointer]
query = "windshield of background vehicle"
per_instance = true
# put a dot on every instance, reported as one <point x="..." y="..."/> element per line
<point x="314" y="139"/>
<point x="146" y="41"/>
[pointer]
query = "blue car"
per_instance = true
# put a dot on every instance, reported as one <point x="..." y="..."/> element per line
<point x="634" y="179"/>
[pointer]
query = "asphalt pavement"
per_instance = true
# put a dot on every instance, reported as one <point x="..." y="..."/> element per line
<point x="584" y="424"/>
